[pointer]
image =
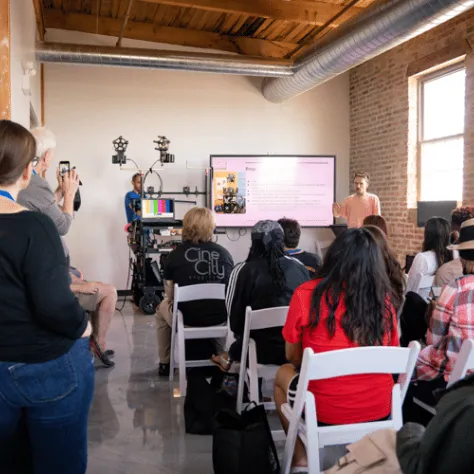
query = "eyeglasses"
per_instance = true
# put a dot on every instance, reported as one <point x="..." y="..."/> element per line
<point x="35" y="161"/>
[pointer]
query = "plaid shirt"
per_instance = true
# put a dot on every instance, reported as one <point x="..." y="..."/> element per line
<point x="451" y="323"/>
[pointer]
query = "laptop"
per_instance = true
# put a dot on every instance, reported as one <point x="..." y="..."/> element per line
<point x="157" y="210"/>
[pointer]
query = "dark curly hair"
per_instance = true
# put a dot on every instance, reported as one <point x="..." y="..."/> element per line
<point x="354" y="270"/>
<point x="460" y="215"/>
<point x="392" y="265"/>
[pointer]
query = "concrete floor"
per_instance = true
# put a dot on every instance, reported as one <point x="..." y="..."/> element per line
<point x="135" y="424"/>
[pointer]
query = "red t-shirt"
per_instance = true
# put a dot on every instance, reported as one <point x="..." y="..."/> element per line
<point x="339" y="400"/>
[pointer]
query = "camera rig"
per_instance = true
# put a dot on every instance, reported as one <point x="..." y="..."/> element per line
<point x="147" y="280"/>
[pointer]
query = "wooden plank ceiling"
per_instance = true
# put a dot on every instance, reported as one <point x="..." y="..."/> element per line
<point x="265" y="28"/>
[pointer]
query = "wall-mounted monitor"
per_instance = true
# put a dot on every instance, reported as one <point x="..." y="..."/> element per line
<point x="428" y="209"/>
<point x="246" y="189"/>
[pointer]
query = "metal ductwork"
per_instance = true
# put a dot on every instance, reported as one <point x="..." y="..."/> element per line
<point x="151" y="59"/>
<point x="379" y="29"/>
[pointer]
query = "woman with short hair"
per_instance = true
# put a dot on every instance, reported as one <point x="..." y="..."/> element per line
<point x="46" y="369"/>
<point x="197" y="260"/>
<point x="348" y="305"/>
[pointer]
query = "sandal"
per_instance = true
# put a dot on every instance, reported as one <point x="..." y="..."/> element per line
<point x="219" y="361"/>
<point x="97" y="351"/>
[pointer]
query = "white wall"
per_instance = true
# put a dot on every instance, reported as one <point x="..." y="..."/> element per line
<point x="23" y="37"/>
<point x="202" y="114"/>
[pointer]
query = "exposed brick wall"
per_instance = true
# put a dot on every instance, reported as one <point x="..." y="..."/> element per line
<point x="379" y="127"/>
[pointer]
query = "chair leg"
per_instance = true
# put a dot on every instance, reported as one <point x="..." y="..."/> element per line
<point x="172" y="355"/>
<point x="182" y="364"/>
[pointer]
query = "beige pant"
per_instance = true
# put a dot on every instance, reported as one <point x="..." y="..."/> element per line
<point x="164" y="321"/>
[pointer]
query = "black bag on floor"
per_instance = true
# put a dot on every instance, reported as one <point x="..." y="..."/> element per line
<point x="204" y="398"/>
<point x="243" y="444"/>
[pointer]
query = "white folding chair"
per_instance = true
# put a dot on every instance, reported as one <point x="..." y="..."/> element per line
<point x="464" y="362"/>
<point x="204" y="291"/>
<point x="360" y="360"/>
<point x="254" y="320"/>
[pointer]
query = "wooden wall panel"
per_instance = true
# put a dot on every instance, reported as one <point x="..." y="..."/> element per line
<point x="5" y="78"/>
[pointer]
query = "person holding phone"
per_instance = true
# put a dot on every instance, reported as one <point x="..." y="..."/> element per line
<point x="38" y="196"/>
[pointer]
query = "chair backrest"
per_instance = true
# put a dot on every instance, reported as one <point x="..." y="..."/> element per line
<point x="362" y="360"/>
<point x="202" y="291"/>
<point x="464" y="362"/>
<point x="266" y="318"/>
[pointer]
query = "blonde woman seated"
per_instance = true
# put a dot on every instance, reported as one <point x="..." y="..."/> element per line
<point x="197" y="260"/>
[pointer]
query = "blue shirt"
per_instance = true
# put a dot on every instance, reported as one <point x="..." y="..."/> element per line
<point x="131" y="214"/>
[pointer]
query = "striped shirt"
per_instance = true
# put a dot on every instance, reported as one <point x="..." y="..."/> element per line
<point x="451" y="323"/>
<point x="356" y="208"/>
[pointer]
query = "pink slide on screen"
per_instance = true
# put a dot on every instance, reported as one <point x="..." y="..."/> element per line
<point x="246" y="189"/>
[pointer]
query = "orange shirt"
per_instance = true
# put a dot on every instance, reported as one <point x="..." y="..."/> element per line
<point x="340" y="400"/>
<point x="356" y="208"/>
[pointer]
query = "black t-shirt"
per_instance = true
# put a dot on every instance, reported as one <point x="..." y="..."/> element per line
<point x="193" y="264"/>
<point x="311" y="261"/>
<point x="40" y="318"/>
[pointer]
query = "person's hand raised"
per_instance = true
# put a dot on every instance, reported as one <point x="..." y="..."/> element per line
<point x="336" y="209"/>
<point x="70" y="183"/>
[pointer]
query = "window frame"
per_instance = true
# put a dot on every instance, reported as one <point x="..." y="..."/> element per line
<point x="457" y="66"/>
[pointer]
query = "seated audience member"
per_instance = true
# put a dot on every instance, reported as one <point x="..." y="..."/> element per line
<point x="292" y="230"/>
<point x="393" y="267"/>
<point x="435" y="253"/>
<point x="198" y="260"/>
<point x="452" y="321"/>
<point x="267" y="279"/>
<point x="39" y="196"/>
<point x="361" y="314"/>
<point x="377" y="221"/>
<point x="46" y="370"/>
<point x="453" y="269"/>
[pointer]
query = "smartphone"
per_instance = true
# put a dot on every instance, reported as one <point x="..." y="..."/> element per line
<point x="64" y="167"/>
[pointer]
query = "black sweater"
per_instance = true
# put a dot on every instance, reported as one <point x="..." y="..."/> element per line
<point x="251" y="285"/>
<point x="40" y="318"/>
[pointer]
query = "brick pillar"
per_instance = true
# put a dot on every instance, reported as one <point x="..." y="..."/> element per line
<point x="5" y="81"/>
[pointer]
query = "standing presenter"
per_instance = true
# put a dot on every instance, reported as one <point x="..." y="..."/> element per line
<point x="358" y="206"/>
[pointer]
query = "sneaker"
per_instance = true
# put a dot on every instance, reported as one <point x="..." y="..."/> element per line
<point x="164" y="370"/>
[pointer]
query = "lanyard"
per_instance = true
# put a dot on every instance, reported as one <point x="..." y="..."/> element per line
<point x="6" y="194"/>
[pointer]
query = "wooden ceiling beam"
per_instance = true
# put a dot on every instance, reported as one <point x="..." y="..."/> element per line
<point x="166" y="34"/>
<point x="314" y="13"/>
<point x="38" y="5"/>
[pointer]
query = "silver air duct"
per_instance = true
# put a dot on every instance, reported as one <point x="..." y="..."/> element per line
<point x="377" y="30"/>
<point x="150" y="59"/>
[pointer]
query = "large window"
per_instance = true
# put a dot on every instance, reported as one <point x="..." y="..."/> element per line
<point x="441" y="135"/>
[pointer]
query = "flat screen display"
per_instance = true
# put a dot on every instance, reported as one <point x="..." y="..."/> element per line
<point x="157" y="209"/>
<point x="246" y="189"/>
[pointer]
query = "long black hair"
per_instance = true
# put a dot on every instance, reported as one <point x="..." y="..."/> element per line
<point x="354" y="270"/>
<point x="437" y="233"/>
<point x="271" y="247"/>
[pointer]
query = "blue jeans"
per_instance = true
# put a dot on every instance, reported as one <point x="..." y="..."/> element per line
<point x="43" y="413"/>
